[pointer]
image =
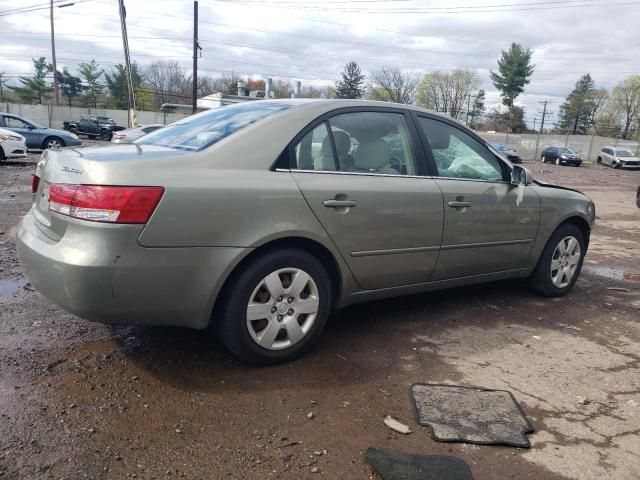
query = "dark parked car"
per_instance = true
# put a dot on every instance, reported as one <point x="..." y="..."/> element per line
<point x="93" y="127"/>
<point x="561" y="156"/>
<point x="508" y="152"/>
<point x="37" y="136"/>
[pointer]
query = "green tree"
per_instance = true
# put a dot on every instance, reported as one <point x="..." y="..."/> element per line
<point x="625" y="101"/>
<point x="91" y="74"/>
<point x="352" y="83"/>
<point x="36" y="86"/>
<point x="578" y="111"/>
<point x="515" y="70"/>
<point x="70" y="85"/>
<point x="477" y="108"/>
<point x="117" y="85"/>
<point x="3" y="85"/>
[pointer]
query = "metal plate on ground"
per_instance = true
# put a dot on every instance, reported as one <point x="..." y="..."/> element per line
<point x="392" y="465"/>
<point x="473" y="415"/>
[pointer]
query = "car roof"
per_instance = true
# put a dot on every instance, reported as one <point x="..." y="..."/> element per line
<point x="326" y="105"/>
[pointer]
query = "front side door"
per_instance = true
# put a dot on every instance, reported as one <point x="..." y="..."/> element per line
<point x="489" y="224"/>
<point x="17" y="125"/>
<point x="358" y="172"/>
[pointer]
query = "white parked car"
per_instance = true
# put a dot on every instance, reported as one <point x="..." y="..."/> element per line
<point x="131" y="134"/>
<point x="618" y="157"/>
<point x="12" y="145"/>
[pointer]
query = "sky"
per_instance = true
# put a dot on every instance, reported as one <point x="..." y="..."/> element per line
<point x="312" y="40"/>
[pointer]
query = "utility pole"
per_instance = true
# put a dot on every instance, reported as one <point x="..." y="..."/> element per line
<point x="1" y="88"/>
<point x="544" y="113"/>
<point x="133" y="121"/>
<point x="535" y="119"/>
<point x="196" y="47"/>
<point x="53" y="56"/>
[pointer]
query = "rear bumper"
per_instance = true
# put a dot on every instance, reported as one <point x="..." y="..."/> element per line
<point x="100" y="273"/>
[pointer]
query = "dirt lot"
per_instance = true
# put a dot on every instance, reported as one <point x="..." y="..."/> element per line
<point x="82" y="400"/>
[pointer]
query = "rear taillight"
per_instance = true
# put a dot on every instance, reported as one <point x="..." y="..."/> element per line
<point x="104" y="203"/>
<point x="35" y="181"/>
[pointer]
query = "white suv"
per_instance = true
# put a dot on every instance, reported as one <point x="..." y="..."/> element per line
<point x="618" y="157"/>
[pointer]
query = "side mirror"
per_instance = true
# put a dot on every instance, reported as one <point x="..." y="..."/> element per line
<point x="521" y="176"/>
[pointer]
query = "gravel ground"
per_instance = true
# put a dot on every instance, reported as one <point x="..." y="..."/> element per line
<point x="83" y="400"/>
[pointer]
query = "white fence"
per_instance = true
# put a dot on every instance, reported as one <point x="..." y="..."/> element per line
<point x="525" y="144"/>
<point x="53" y="117"/>
<point x="587" y="145"/>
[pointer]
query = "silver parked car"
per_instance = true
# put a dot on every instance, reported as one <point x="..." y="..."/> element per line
<point x="258" y="219"/>
<point x="618" y="157"/>
<point x="131" y="134"/>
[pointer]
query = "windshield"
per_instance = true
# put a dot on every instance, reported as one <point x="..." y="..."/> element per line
<point x="624" y="153"/>
<point x="566" y="151"/>
<point x="204" y="129"/>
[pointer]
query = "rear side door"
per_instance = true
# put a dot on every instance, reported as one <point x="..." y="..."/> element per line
<point x="489" y="224"/>
<point x="359" y="173"/>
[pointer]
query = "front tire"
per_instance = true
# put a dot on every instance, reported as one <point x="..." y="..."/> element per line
<point x="274" y="309"/>
<point x="544" y="159"/>
<point x="557" y="161"/>
<point x="560" y="263"/>
<point x="106" y="135"/>
<point x="52" y="143"/>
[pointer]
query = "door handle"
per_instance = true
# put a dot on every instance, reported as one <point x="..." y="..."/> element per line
<point x="339" y="203"/>
<point x="459" y="204"/>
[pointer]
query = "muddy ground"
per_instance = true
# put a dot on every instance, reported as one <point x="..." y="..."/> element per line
<point x="82" y="400"/>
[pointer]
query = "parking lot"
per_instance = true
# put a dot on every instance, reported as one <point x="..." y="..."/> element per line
<point x="84" y="400"/>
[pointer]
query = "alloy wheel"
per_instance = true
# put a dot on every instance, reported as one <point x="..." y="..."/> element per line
<point x="564" y="261"/>
<point x="544" y="159"/>
<point x="53" y="143"/>
<point x="557" y="161"/>
<point x="282" y="308"/>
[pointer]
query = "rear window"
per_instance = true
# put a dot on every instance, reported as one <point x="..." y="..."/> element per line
<point x="204" y="129"/>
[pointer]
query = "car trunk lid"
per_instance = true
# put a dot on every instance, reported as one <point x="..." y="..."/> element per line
<point x="106" y="166"/>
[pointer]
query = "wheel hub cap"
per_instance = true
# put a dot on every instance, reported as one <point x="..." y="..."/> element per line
<point x="282" y="308"/>
<point x="564" y="261"/>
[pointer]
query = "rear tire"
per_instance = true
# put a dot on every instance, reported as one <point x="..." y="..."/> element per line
<point x="599" y="160"/>
<point x="557" y="269"/>
<point x="2" y="155"/>
<point x="544" y="159"/>
<point x="272" y="287"/>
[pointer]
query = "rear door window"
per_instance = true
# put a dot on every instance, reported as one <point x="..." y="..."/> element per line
<point x="314" y="151"/>
<point x="204" y="129"/>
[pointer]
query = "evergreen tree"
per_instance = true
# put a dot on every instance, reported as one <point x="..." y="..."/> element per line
<point x="578" y="111"/>
<point x="515" y="70"/>
<point x="36" y="86"/>
<point x="117" y="85"/>
<point x="91" y="73"/>
<point x="70" y="85"/>
<point x="477" y="109"/>
<point x="352" y="83"/>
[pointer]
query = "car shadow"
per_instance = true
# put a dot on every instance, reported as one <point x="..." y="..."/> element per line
<point x="359" y="344"/>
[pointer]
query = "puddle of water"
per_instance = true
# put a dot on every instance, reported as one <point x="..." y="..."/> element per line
<point x="611" y="273"/>
<point x="10" y="287"/>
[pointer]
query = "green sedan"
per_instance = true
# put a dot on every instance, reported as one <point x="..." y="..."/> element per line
<point x="257" y="220"/>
